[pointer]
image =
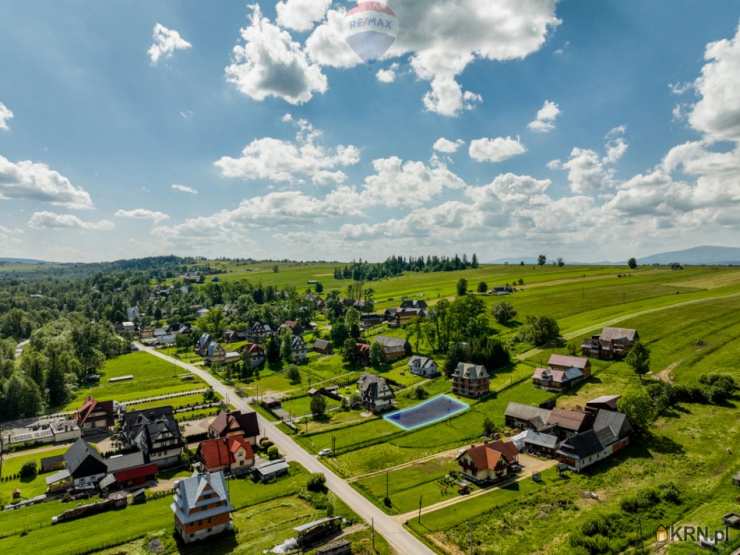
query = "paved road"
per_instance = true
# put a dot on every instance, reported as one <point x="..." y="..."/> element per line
<point x="400" y="539"/>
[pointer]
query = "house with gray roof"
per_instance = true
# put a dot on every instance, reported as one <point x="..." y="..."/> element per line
<point x="611" y="343"/>
<point x="376" y="394"/>
<point x="201" y="506"/>
<point x="394" y="348"/>
<point x="609" y="435"/>
<point x="470" y="380"/>
<point x="155" y="433"/>
<point x="423" y="366"/>
<point x="525" y="417"/>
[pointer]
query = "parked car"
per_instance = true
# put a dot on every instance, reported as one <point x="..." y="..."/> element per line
<point x="325" y="453"/>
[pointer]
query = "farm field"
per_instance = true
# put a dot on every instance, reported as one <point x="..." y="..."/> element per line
<point x="151" y="377"/>
<point x="683" y="449"/>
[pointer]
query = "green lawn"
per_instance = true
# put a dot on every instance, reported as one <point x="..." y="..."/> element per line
<point x="30" y="528"/>
<point x="407" y="486"/>
<point x="152" y="377"/>
<point x="28" y="488"/>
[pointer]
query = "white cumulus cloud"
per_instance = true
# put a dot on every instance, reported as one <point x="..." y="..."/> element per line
<point x="36" y="181"/>
<point x="165" y="43"/>
<point x="301" y="15"/>
<point x="53" y="220"/>
<point x="5" y="115"/>
<point x="495" y="150"/>
<point x="270" y="63"/>
<point x="286" y="161"/>
<point x="143" y="214"/>
<point x="546" y="116"/>
<point x="446" y="146"/>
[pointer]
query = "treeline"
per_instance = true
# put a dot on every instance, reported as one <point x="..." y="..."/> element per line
<point x="62" y="356"/>
<point x="397" y="265"/>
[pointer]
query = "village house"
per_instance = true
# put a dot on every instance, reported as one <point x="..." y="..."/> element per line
<point x="128" y="327"/>
<point x="231" y="454"/>
<point x="606" y="402"/>
<point x="526" y="417"/>
<point x="201" y="506"/>
<point x="612" y="343"/>
<point x="367" y="321"/>
<point x="562" y="373"/>
<point x="418" y="304"/>
<point x="558" y="422"/>
<point x="255" y="353"/>
<point x="235" y="424"/>
<point x="423" y="366"/>
<point x="298" y="350"/>
<point x="610" y="433"/>
<point x="567" y="423"/>
<point x="84" y="465"/>
<point x="376" y="394"/>
<point x="128" y="471"/>
<point x="259" y="332"/>
<point x="269" y="471"/>
<point x="322" y="346"/>
<point x="216" y="354"/>
<point x="201" y="347"/>
<point x="155" y="433"/>
<point x="470" y="380"/>
<point x="489" y="462"/>
<point x="536" y="443"/>
<point x="394" y="348"/>
<point x="95" y="416"/>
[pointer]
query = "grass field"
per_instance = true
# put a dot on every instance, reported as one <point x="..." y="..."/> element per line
<point x="152" y="377"/>
<point x="695" y="447"/>
<point x="28" y="488"/>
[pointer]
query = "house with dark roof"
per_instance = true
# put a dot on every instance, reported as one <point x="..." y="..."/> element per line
<point x="298" y="350"/>
<point x="470" y="380"/>
<point x="235" y="424"/>
<point x="259" y="332"/>
<point x="377" y="396"/>
<point x="322" y="346"/>
<point x="201" y="506"/>
<point x="610" y="434"/>
<point x="423" y="366"/>
<point x="606" y="402"/>
<point x="232" y="454"/>
<point x="611" y="343"/>
<point x="566" y="423"/>
<point x="255" y="353"/>
<point x="489" y="462"/>
<point x="94" y="416"/>
<point x="394" y="348"/>
<point x="201" y="347"/>
<point x="526" y="417"/>
<point x="84" y="465"/>
<point x="562" y="372"/>
<point x="155" y="433"/>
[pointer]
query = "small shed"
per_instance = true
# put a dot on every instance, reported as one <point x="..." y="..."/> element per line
<point x="271" y="470"/>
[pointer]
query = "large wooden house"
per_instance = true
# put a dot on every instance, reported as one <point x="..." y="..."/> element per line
<point x="94" y="416"/>
<point x="611" y="343"/>
<point x="562" y="372"/>
<point x="376" y="394"/>
<point x="155" y="433"/>
<point x="201" y="506"/>
<point x="610" y="433"/>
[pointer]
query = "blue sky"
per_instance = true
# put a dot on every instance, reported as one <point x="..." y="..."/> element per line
<point x="291" y="146"/>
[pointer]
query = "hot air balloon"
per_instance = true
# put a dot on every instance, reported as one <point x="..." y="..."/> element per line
<point x="372" y="27"/>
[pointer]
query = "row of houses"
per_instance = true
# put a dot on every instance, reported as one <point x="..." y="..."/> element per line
<point x="577" y="438"/>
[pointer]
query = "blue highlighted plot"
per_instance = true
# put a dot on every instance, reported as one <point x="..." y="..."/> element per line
<point x="431" y="411"/>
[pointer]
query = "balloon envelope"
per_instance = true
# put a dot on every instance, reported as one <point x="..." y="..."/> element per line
<point x="372" y="27"/>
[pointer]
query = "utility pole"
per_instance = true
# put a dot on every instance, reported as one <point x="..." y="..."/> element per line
<point x="387" y="485"/>
<point x="333" y="445"/>
<point x="420" y="497"/>
<point x="372" y="528"/>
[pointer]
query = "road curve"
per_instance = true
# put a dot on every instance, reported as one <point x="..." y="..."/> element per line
<point x="397" y="536"/>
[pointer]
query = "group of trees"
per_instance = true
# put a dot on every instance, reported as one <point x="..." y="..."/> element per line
<point x="396" y="265"/>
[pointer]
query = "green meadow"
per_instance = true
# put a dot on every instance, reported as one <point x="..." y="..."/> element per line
<point x="151" y="377"/>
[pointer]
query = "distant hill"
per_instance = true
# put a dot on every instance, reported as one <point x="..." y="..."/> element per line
<point x="705" y="255"/>
<point x="21" y="261"/>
